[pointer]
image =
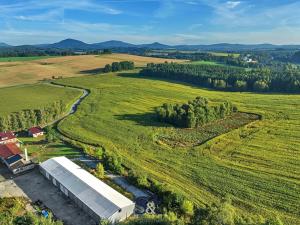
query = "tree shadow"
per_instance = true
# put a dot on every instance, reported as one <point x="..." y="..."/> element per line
<point x="92" y="71"/>
<point x="145" y="77"/>
<point x="143" y="119"/>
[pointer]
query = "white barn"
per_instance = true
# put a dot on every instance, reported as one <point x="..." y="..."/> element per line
<point x="92" y="195"/>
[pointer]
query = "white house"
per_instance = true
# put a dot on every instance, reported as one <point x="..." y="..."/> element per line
<point x="35" y="131"/>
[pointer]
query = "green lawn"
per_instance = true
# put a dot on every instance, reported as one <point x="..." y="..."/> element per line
<point x="20" y="59"/>
<point x="39" y="150"/>
<point x="258" y="164"/>
<point x="34" y="96"/>
<point x="204" y="62"/>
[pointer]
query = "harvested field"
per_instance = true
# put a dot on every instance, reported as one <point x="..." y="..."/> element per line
<point x="30" y="71"/>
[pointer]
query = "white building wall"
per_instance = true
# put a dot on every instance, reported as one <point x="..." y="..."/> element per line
<point x="122" y="214"/>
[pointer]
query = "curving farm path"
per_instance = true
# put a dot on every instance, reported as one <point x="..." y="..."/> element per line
<point x="74" y="106"/>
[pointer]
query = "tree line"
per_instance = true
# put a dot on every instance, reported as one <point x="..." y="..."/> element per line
<point x="31" y="117"/>
<point x="228" y="78"/>
<point x="195" y="113"/>
<point x="29" y="51"/>
<point x="118" y="66"/>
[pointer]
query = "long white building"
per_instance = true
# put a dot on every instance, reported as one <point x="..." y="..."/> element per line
<point x="92" y="195"/>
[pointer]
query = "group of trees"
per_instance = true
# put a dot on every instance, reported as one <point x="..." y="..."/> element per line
<point x="221" y="213"/>
<point x="31" y="117"/>
<point x="194" y="113"/>
<point x="118" y="66"/>
<point x="13" y="212"/>
<point x="229" y="78"/>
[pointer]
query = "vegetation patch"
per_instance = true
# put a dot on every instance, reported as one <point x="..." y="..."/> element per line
<point x="194" y="113"/>
<point x="13" y="211"/>
<point x="175" y="137"/>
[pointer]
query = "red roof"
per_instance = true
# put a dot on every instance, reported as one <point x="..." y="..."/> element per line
<point x="9" y="150"/>
<point x="35" y="130"/>
<point x="6" y="135"/>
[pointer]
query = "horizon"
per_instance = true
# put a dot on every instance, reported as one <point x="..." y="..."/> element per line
<point x="171" y="22"/>
<point x="171" y="45"/>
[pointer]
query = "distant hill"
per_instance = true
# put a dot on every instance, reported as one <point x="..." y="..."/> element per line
<point x="155" y="45"/>
<point x="235" y="47"/>
<point x="4" y="45"/>
<point x="114" y="44"/>
<point x="120" y="46"/>
<point x="70" y="44"/>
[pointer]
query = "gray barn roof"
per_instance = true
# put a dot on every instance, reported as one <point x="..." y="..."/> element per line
<point x="95" y="194"/>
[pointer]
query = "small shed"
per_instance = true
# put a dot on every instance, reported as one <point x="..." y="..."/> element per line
<point x="35" y="131"/>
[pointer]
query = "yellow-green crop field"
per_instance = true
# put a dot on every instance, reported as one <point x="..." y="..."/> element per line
<point x="257" y="164"/>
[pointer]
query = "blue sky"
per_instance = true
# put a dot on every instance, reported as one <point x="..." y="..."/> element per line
<point x="145" y="21"/>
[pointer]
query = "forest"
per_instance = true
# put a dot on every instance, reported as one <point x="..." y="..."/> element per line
<point x="31" y="117"/>
<point x="228" y="78"/>
<point x="193" y="114"/>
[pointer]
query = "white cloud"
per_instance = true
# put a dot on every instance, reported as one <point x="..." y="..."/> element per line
<point x="232" y="4"/>
<point x="195" y="26"/>
<point x="166" y="9"/>
<point x="83" y="5"/>
<point x="52" y="15"/>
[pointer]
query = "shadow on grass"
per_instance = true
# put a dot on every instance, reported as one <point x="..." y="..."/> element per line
<point x="139" y="76"/>
<point x="143" y="119"/>
<point x="92" y="72"/>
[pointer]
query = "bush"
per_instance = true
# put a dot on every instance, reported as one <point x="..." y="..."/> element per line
<point x="260" y="85"/>
<point x="100" y="171"/>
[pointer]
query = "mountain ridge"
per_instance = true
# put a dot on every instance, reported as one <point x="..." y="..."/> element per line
<point x="73" y="44"/>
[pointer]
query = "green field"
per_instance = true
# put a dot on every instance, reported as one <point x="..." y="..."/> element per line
<point x="235" y="55"/>
<point x="21" y="59"/>
<point x="204" y="62"/>
<point x="258" y="164"/>
<point x="34" y="96"/>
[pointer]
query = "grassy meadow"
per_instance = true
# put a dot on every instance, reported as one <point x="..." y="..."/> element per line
<point x="28" y="70"/>
<point x="257" y="164"/>
<point x="23" y="59"/>
<point x="17" y="98"/>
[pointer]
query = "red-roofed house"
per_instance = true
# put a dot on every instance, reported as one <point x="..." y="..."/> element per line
<point x="35" y="131"/>
<point x="10" y="155"/>
<point x="9" y="150"/>
<point x="7" y="137"/>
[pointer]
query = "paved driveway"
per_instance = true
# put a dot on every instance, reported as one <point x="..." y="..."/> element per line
<point x="34" y="186"/>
